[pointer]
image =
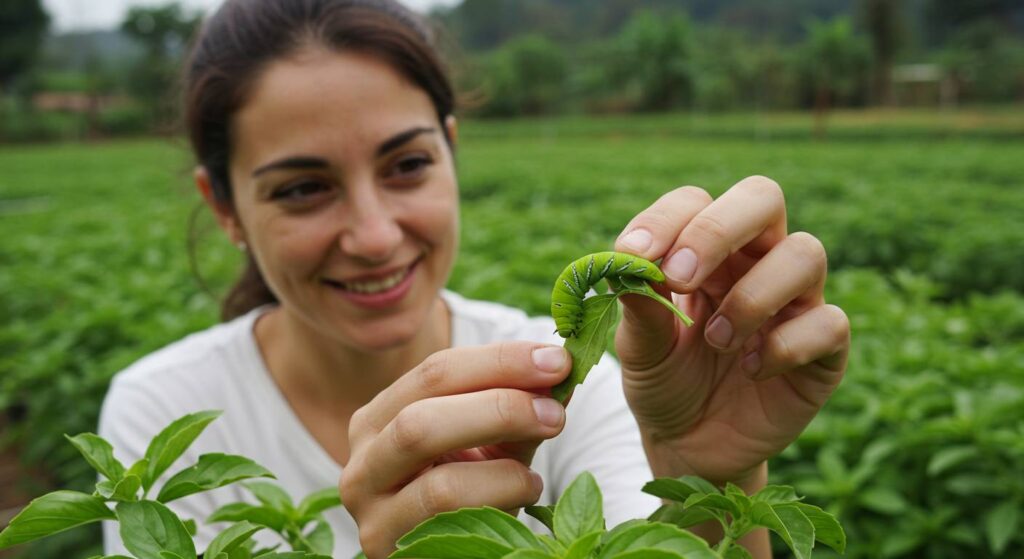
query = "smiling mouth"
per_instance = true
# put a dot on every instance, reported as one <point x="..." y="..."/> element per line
<point x="380" y="285"/>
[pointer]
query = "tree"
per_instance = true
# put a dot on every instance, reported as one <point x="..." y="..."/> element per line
<point x="656" y="55"/>
<point x="23" y="25"/>
<point x="885" y="25"/>
<point x="834" y="59"/>
<point x="163" y="32"/>
<point x="526" y="76"/>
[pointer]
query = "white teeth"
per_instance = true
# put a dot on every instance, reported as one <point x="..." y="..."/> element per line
<point x="378" y="285"/>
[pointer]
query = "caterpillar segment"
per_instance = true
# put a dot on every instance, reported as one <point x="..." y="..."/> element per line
<point x="578" y="277"/>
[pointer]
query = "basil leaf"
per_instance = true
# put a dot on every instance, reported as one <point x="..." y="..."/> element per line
<point x="99" y="454"/>
<point x="321" y="538"/>
<point x="883" y="500"/>
<point x="776" y="494"/>
<point x="583" y="546"/>
<point x="796" y="531"/>
<point x="947" y="458"/>
<point x="543" y="513"/>
<point x="487" y="522"/>
<point x="262" y="515"/>
<point x="127" y="489"/>
<point x="149" y="527"/>
<point x="52" y="513"/>
<point x="1001" y="525"/>
<point x="317" y="502"/>
<point x="715" y="502"/>
<point x="170" y="443"/>
<point x="231" y="538"/>
<point x="453" y="546"/>
<point x="271" y="495"/>
<point x="737" y="552"/>
<point x="212" y="471"/>
<point x="600" y="313"/>
<point x="678" y="515"/>
<point x="649" y="553"/>
<point x="679" y="489"/>
<point x="529" y="554"/>
<point x="579" y="511"/>
<point x="656" y="536"/>
<point x="827" y="529"/>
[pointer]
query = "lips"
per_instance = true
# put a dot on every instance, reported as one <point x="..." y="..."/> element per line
<point x="375" y="283"/>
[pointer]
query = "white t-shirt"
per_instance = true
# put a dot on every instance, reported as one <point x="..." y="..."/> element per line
<point x="222" y="368"/>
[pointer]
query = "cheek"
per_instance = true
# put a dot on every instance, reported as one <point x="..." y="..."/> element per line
<point x="292" y="245"/>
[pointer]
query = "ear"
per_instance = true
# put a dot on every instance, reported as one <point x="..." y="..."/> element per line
<point x="225" y="214"/>
<point x="451" y="126"/>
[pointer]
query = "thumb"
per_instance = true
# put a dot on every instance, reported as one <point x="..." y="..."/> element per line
<point x="649" y="333"/>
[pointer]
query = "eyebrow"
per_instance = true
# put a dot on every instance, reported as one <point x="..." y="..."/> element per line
<point x="308" y="162"/>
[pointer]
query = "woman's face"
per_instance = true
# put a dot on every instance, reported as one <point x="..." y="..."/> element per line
<point x="345" y="193"/>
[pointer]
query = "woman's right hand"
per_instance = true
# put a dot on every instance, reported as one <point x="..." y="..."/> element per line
<point x="457" y="431"/>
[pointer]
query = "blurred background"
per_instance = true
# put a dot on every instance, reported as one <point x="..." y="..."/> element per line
<point x="896" y="128"/>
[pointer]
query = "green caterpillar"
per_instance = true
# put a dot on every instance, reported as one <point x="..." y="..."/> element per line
<point x="577" y="278"/>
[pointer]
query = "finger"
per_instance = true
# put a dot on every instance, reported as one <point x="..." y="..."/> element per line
<point x="503" y="484"/>
<point x="750" y="216"/>
<point x="522" y="365"/>
<point x="428" y="429"/>
<point x="653" y="231"/>
<point x="793" y="271"/>
<point x="649" y="327"/>
<point x="816" y="344"/>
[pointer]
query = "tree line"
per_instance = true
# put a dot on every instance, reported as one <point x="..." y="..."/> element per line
<point x="541" y="57"/>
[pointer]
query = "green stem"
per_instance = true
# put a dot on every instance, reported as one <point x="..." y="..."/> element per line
<point x="724" y="545"/>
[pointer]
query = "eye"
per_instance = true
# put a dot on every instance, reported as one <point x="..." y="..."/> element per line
<point x="410" y="166"/>
<point x="299" y="191"/>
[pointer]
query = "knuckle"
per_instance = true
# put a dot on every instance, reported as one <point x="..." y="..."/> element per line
<point x="784" y="349"/>
<point x="524" y="481"/>
<point x="372" y="538"/>
<point x="744" y="304"/>
<point x="439" y="493"/>
<point x="512" y="358"/>
<point x="408" y="430"/>
<point x="710" y="228"/>
<point x="433" y="372"/>
<point x="504" y="409"/>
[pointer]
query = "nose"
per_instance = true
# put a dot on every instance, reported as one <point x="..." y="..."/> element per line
<point x="372" y="232"/>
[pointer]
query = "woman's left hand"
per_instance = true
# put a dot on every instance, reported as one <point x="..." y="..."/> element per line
<point x="721" y="397"/>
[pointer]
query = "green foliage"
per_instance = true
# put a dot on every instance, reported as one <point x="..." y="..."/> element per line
<point x="525" y="76"/>
<point x="148" y="528"/>
<point x="23" y="25"/>
<point x="95" y="275"/>
<point x="578" y="528"/>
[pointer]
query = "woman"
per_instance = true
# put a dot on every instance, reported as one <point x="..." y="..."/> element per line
<point x="324" y="134"/>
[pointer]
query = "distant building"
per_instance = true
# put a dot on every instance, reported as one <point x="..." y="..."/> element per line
<point x="923" y="85"/>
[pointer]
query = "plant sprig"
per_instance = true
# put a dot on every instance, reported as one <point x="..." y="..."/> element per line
<point x="600" y="314"/>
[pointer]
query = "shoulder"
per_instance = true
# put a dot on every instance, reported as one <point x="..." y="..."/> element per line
<point x="476" y="322"/>
<point x="204" y="370"/>
<point x="194" y="356"/>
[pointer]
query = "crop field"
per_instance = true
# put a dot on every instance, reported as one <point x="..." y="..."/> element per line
<point x="920" y="452"/>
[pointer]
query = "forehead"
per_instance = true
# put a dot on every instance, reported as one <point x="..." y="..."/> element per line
<point x="319" y="100"/>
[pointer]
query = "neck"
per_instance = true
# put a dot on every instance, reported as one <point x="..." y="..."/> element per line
<point x="320" y="371"/>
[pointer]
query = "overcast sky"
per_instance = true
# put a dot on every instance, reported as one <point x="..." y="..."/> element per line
<point x="68" y="15"/>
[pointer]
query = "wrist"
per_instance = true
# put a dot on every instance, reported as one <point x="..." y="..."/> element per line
<point x="666" y="461"/>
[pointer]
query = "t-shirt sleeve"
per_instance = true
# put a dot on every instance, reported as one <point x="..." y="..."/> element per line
<point x="132" y="414"/>
<point x="601" y="437"/>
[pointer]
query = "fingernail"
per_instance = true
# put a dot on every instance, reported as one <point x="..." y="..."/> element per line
<point x="681" y="266"/>
<point x="637" y="240"/>
<point x="538" y="482"/>
<point x="549" y="412"/>
<point x="550" y="359"/>
<point x="751" y="364"/>
<point x="719" y="332"/>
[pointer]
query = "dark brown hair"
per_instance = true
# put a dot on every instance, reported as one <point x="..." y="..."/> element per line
<point x="244" y="36"/>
